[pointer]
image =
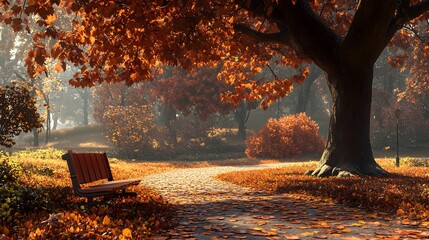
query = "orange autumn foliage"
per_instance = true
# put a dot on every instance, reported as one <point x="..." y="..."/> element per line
<point x="288" y="136"/>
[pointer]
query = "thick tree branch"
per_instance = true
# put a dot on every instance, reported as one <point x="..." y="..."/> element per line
<point x="310" y="33"/>
<point x="405" y="14"/>
<point x="278" y="37"/>
<point x="302" y="29"/>
<point x="367" y="34"/>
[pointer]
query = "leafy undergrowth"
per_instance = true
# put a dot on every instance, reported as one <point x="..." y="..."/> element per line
<point x="37" y="202"/>
<point x="406" y="193"/>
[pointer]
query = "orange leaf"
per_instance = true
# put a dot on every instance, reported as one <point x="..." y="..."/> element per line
<point x="292" y="237"/>
<point x="127" y="233"/>
<point x="50" y="19"/>
<point x="106" y="221"/>
<point x="58" y="68"/>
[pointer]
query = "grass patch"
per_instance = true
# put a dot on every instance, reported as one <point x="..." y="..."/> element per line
<point x="405" y="194"/>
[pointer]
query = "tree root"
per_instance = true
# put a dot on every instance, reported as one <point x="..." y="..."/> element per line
<point x="326" y="170"/>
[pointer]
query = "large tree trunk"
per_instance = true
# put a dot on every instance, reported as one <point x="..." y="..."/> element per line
<point x="348" y="148"/>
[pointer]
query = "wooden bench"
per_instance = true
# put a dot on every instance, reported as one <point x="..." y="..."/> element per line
<point x="91" y="167"/>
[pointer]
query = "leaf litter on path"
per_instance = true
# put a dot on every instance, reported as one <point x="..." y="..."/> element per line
<point x="233" y="212"/>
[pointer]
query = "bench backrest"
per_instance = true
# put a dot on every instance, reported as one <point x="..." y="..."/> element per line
<point x="88" y="167"/>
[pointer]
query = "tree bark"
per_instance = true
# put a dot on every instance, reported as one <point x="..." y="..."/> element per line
<point x="35" y="137"/>
<point x="168" y="114"/>
<point x="348" y="148"/>
<point x="55" y="118"/>
<point x="48" y="124"/>
<point x="242" y="130"/>
<point x="35" y="130"/>
<point x="240" y="116"/>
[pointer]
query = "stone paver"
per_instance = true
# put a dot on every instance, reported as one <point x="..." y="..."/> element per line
<point x="208" y="208"/>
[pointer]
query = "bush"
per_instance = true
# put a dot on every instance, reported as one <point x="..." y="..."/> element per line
<point x="192" y="132"/>
<point x="289" y="136"/>
<point x="9" y="170"/>
<point x="14" y="199"/>
<point x="18" y="113"/>
<point x="133" y="131"/>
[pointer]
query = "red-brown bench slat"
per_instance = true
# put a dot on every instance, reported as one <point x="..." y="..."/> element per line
<point x="77" y="168"/>
<point x="95" y="162"/>
<point x="104" y="166"/>
<point x="91" y="167"/>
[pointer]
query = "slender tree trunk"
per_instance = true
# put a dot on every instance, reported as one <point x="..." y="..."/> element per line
<point x="35" y="131"/>
<point x="48" y="124"/>
<point x="240" y="115"/>
<point x="55" y="118"/>
<point x="305" y="89"/>
<point x="85" y="106"/>
<point x="35" y="137"/>
<point x="348" y="148"/>
<point x="168" y="114"/>
<point x="242" y="130"/>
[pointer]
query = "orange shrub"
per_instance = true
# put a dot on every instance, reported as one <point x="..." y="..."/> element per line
<point x="132" y="130"/>
<point x="288" y="136"/>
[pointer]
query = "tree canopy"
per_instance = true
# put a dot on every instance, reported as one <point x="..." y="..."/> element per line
<point x="129" y="41"/>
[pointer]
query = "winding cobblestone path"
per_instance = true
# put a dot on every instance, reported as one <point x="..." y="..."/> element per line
<point x="208" y="208"/>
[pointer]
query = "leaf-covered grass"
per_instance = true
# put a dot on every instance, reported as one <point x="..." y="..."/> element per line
<point x="41" y="203"/>
<point x="406" y="193"/>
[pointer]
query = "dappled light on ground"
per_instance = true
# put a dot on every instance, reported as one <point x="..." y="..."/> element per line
<point x="208" y="208"/>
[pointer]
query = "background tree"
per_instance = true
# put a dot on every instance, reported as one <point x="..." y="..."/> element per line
<point x="127" y="117"/>
<point x="200" y="92"/>
<point x="46" y="87"/>
<point x="304" y="91"/>
<point x="18" y="113"/>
